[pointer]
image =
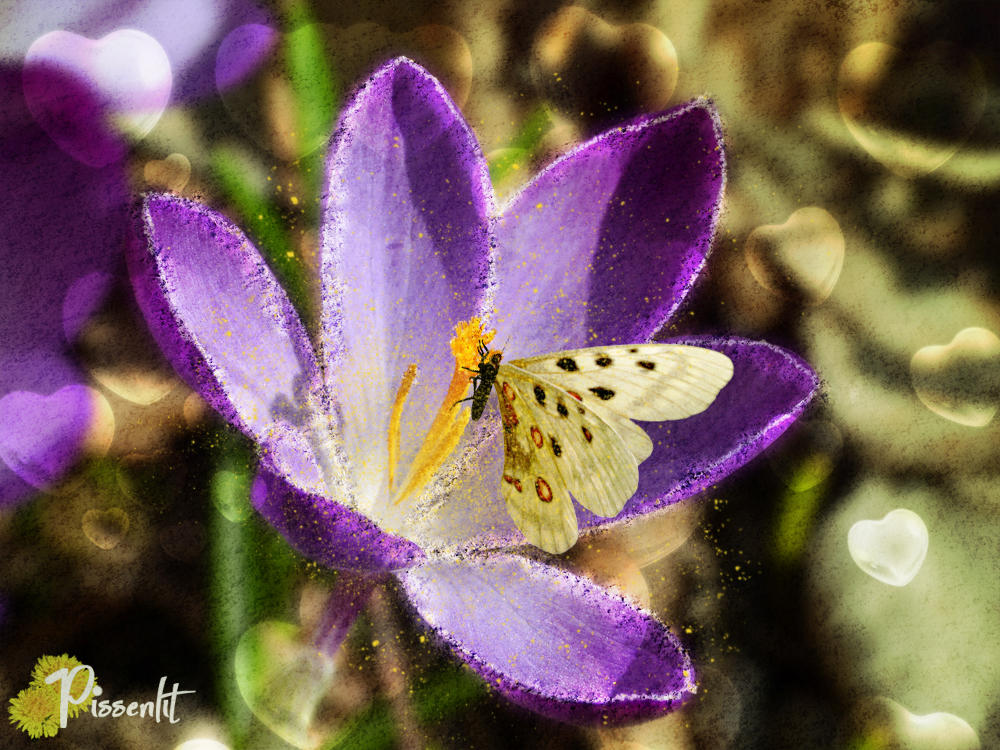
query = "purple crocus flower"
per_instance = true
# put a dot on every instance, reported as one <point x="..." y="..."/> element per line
<point x="599" y="248"/>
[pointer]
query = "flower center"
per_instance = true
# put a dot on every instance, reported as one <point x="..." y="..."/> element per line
<point x="449" y="422"/>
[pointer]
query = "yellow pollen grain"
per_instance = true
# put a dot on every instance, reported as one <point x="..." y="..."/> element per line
<point x="396" y="417"/>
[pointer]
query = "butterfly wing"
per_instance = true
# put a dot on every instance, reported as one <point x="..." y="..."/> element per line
<point x="648" y="382"/>
<point x="537" y="500"/>
<point x="555" y="445"/>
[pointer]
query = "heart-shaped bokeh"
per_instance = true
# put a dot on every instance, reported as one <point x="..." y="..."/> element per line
<point x="801" y="258"/>
<point x="601" y="73"/>
<point x="891" y="550"/>
<point x="171" y="173"/>
<point x="41" y="436"/>
<point x="889" y="725"/>
<point x="140" y="386"/>
<point x="264" y="105"/>
<point x="960" y="380"/>
<point x="910" y="110"/>
<point x="283" y="679"/>
<point x="121" y="80"/>
<point x="105" y="528"/>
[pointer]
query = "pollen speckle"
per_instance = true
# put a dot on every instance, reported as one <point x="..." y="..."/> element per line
<point x="468" y="334"/>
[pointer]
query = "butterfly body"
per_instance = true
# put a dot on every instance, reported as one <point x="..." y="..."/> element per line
<point x="485" y="377"/>
<point x="568" y="429"/>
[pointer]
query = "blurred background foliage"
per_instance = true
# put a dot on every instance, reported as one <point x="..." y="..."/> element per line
<point x="860" y="230"/>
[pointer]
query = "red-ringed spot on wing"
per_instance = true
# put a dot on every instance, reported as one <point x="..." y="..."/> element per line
<point x="586" y="434"/>
<point x="511" y="480"/>
<point x="575" y="395"/>
<point x="508" y="392"/>
<point x="543" y="490"/>
<point x="536" y="437"/>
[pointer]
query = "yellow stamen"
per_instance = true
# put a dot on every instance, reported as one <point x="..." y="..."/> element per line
<point x="449" y="423"/>
<point x="397" y="415"/>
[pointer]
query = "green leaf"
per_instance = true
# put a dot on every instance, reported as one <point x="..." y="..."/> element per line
<point x="518" y="154"/>
<point x="253" y="571"/>
<point x="315" y="88"/>
<point x="796" y="517"/>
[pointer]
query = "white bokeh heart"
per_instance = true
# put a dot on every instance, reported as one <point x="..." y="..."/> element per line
<point x="895" y="726"/>
<point x="127" y="71"/>
<point x="891" y="550"/>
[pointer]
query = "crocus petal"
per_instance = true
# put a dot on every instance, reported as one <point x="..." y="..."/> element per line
<point x="221" y="317"/>
<point x="326" y="531"/>
<point x="471" y="514"/>
<point x="769" y="389"/>
<point x="405" y="255"/>
<point x="602" y="246"/>
<point x="69" y="220"/>
<point x="551" y="641"/>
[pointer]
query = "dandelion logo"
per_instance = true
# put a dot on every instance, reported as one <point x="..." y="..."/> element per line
<point x="61" y="688"/>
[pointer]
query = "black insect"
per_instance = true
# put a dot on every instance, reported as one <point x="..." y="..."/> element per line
<point x="485" y="376"/>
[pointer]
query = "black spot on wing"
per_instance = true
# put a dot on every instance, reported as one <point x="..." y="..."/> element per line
<point x="540" y="395"/>
<point x="563" y="411"/>
<point x="567" y="363"/>
<point x="603" y="393"/>
<point x="646" y="365"/>
<point x="603" y="361"/>
<point x="632" y="351"/>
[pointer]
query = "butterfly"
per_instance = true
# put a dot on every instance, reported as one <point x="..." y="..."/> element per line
<point x="568" y="429"/>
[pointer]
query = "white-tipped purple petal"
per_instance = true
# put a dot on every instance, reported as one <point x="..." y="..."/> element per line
<point x="326" y="531"/>
<point x="603" y="245"/>
<point x="769" y="389"/>
<point x="310" y="509"/>
<point x="221" y="317"/>
<point x="405" y="255"/>
<point x="550" y="640"/>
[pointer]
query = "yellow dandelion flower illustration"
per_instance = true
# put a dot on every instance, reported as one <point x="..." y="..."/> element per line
<point x="35" y="710"/>
<point x="47" y="664"/>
